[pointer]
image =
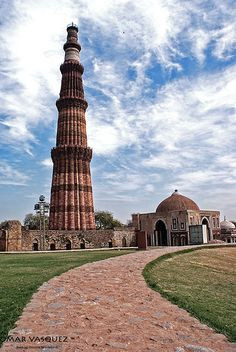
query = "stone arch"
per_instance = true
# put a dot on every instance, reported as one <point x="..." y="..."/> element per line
<point x="183" y="241"/>
<point x="35" y="245"/>
<point x="52" y="245"/>
<point x="82" y="244"/>
<point x="3" y="242"/>
<point x="175" y="240"/>
<point x="205" y="221"/>
<point x="124" y="242"/>
<point x="161" y="233"/>
<point x="68" y="244"/>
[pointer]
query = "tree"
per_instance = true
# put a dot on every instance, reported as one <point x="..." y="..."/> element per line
<point x="105" y="220"/>
<point x="32" y="221"/>
<point x="3" y="224"/>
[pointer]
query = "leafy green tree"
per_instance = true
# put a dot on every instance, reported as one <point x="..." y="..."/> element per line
<point x="32" y="221"/>
<point x="105" y="220"/>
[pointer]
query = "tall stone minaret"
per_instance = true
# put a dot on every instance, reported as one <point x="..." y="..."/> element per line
<point x="71" y="193"/>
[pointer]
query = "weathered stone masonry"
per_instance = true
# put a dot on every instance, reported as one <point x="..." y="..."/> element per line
<point x="71" y="192"/>
<point x="16" y="238"/>
<point x="11" y="236"/>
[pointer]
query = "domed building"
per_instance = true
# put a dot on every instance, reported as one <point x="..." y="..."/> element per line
<point x="228" y="231"/>
<point x="178" y="221"/>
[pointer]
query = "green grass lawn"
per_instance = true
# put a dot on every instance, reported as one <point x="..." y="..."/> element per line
<point x="201" y="281"/>
<point x="22" y="274"/>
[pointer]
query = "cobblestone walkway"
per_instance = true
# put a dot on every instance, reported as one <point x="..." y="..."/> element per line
<point x="107" y="306"/>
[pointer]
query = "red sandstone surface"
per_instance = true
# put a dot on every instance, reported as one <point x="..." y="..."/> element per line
<point x="106" y="306"/>
<point x="71" y="205"/>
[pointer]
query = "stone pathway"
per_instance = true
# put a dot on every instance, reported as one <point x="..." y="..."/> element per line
<point x="106" y="306"/>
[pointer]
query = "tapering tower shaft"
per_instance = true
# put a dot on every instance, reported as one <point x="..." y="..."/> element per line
<point x="71" y="206"/>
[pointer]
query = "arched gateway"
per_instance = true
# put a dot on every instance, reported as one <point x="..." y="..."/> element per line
<point x="68" y="244"/>
<point x="206" y="222"/>
<point x="35" y="245"/>
<point x="160" y="234"/>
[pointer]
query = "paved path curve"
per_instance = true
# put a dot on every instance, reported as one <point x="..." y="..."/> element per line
<point x="106" y="306"/>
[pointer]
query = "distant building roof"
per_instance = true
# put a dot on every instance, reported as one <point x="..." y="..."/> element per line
<point x="226" y="225"/>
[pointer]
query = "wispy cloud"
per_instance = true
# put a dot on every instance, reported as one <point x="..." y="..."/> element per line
<point x="30" y="55"/>
<point x="30" y="59"/>
<point x="47" y="163"/>
<point x="158" y="101"/>
<point x="9" y="175"/>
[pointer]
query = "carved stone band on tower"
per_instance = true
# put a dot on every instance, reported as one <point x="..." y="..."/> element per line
<point x="71" y="193"/>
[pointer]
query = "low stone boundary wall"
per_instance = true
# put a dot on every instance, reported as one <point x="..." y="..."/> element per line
<point x="54" y="239"/>
<point x="16" y="238"/>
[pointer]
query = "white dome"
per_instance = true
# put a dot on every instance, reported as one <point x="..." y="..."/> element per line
<point x="227" y="225"/>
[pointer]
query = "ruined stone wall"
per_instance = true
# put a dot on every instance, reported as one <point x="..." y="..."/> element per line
<point x="120" y="235"/>
<point x="15" y="237"/>
<point x="136" y="221"/>
<point x="10" y="237"/>
<point x="78" y="239"/>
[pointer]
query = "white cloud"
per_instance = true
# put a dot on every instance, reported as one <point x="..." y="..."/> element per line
<point x="47" y="163"/>
<point x="9" y="175"/>
<point x="197" y="113"/>
<point x="196" y="136"/>
<point x="149" y="188"/>
<point x="137" y="30"/>
<point x="181" y="126"/>
<point x="226" y="40"/>
<point x="188" y="132"/>
<point x="200" y="40"/>
<point x="30" y="59"/>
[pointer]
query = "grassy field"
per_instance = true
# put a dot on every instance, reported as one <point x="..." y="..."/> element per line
<point x="201" y="281"/>
<point x="22" y="274"/>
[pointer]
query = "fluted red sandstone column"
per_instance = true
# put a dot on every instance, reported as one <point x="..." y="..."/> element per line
<point x="71" y="193"/>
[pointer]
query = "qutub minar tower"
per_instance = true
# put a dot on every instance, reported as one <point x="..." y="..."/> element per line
<point x="71" y="193"/>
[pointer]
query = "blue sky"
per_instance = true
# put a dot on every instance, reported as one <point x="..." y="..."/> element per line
<point x="160" y="80"/>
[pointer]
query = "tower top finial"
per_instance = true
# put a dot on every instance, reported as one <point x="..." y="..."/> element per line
<point x="72" y="25"/>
